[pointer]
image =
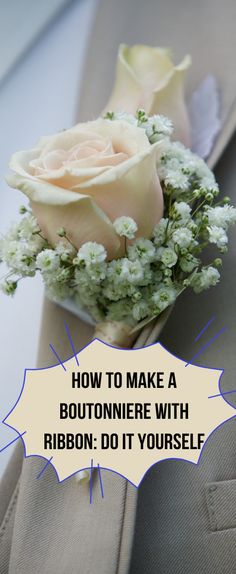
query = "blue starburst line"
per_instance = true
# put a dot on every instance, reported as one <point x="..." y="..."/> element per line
<point x="204" y="329"/>
<point x="12" y="441"/>
<point x="44" y="468"/>
<point x="100" y="480"/>
<point x="71" y="343"/>
<point x="206" y="345"/>
<point x="91" y="483"/>
<point x="57" y="356"/>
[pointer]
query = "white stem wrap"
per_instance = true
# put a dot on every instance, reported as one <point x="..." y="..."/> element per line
<point x="115" y="333"/>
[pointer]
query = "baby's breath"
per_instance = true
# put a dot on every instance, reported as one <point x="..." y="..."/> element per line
<point x="153" y="271"/>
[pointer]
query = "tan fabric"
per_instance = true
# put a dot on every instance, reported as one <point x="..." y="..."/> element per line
<point x="175" y="511"/>
<point x="50" y="528"/>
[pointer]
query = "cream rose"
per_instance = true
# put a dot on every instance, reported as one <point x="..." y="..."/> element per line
<point x="83" y="178"/>
<point x="147" y="78"/>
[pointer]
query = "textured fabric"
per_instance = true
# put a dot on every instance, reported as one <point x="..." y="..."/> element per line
<point x="221" y="505"/>
<point x="51" y="528"/>
<point x="8" y="499"/>
<point x="174" y="531"/>
<point x="9" y="480"/>
<point x="59" y="531"/>
<point x="48" y="527"/>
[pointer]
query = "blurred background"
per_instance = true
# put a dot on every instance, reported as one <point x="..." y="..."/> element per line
<point x="42" y="50"/>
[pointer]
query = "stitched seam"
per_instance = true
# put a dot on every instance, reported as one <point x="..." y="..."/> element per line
<point x="225" y="528"/>
<point x="211" y="508"/>
<point x="122" y="527"/>
<point x="9" y="511"/>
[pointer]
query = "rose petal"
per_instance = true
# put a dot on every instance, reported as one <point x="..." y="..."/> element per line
<point x="131" y="188"/>
<point x="54" y="208"/>
<point x="85" y="200"/>
<point x="150" y="65"/>
<point x="146" y="78"/>
<point x="169" y="101"/>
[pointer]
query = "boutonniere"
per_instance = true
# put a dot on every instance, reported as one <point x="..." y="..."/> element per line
<point x="121" y="211"/>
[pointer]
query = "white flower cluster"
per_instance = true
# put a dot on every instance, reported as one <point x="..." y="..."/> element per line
<point x="157" y="127"/>
<point x="152" y="272"/>
<point x="183" y="172"/>
<point x="207" y="277"/>
<point x="19" y="249"/>
<point x="219" y="219"/>
<point x="125" y="227"/>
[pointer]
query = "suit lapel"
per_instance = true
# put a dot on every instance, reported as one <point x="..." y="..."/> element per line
<point x="56" y="529"/>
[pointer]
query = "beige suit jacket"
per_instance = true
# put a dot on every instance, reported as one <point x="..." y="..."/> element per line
<point x="186" y="515"/>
